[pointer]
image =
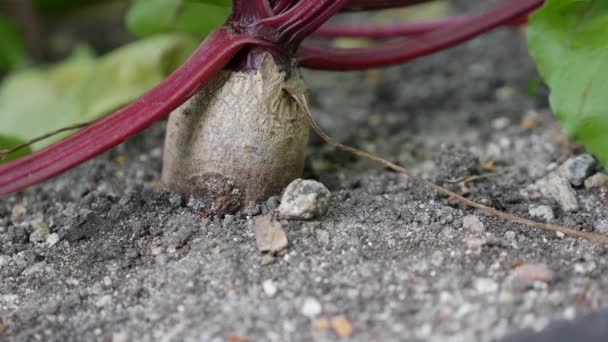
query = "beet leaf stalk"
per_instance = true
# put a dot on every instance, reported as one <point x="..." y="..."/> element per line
<point x="235" y="135"/>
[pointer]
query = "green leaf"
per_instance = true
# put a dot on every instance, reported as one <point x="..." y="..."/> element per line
<point x="62" y="5"/>
<point x="37" y="101"/>
<point x="195" y="17"/>
<point x="569" y="41"/>
<point x="12" y="141"/>
<point x="12" y="51"/>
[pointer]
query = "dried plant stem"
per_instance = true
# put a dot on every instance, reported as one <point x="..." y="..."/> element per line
<point x="301" y="100"/>
<point x="4" y="153"/>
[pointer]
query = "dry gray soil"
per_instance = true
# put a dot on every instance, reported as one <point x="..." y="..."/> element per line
<point x="99" y="254"/>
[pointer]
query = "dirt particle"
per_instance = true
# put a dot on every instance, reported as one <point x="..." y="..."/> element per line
<point x="18" y="213"/>
<point x="342" y="326"/>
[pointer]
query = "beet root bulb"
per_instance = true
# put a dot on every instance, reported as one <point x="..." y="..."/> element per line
<point x="240" y="140"/>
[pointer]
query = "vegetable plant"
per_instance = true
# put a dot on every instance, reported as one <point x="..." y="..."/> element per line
<point x="239" y="120"/>
<point x="237" y="134"/>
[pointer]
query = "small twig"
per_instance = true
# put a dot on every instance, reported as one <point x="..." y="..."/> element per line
<point x="301" y="100"/>
<point x="4" y="153"/>
<point x="471" y="178"/>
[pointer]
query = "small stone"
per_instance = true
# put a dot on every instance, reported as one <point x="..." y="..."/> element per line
<point x="104" y="300"/>
<point x="35" y="268"/>
<point x="560" y="189"/>
<point x="528" y="273"/>
<point x="107" y="281"/>
<point x="475" y="243"/>
<point x="268" y="259"/>
<point x="18" y="213"/>
<point x="511" y="235"/>
<point x="4" y="260"/>
<point x="342" y="327"/>
<point x="272" y="203"/>
<point x="570" y="313"/>
<point x="601" y="226"/>
<point x="52" y="239"/>
<point x="322" y="236"/>
<point x="40" y="233"/>
<point x="311" y="307"/>
<point x="304" y="200"/>
<point x="501" y="123"/>
<point x="577" y="169"/>
<point x="163" y="259"/>
<point x="584" y="268"/>
<point x="269" y="234"/>
<point x="270" y="288"/>
<point x="506" y="297"/>
<point x="120" y="337"/>
<point x="485" y="285"/>
<point x="472" y="222"/>
<point x="544" y="212"/>
<point x="597" y="180"/>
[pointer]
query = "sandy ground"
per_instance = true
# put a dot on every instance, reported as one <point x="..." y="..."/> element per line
<point x="99" y="254"/>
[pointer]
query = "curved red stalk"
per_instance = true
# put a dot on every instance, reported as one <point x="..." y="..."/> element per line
<point x="388" y="31"/>
<point x="365" y="5"/>
<point x="280" y="6"/>
<point x="328" y="58"/>
<point x="213" y="54"/>
<point x="301" y="20"/>
<point x="249" y="11"/>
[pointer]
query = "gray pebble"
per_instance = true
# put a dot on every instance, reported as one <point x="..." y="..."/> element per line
<point x="560" y="189"/>
<point x="577" y="169"/>
<point x="544" y="212"/>
<point x="601" y="226"/>
<point x="304" y="200"/>
<point x="597" y="180"/>
<point x="472" y="222"/>
<point x="529" y="273"/>
<point x="163" y="259"/>
<point x="272" y="203"/>
<point x="18" y="213"/>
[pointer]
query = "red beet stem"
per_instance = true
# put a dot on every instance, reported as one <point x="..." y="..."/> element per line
<point x="388" y="31"/>
<point x="213" y="54"/>
<point x="366" y="5"/>
<point x="303" y="18"/>
<point x="280" y="6"/>
<point x="250" y="11"/>
<point x="328" y="58"/>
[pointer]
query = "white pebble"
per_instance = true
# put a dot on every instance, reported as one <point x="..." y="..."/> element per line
<point x="544" y="212"/>
<point x="270" y="288"/>
<point x="311" y="307"/>
<point x="485" y="285"/>
<point x="52" y="239"/>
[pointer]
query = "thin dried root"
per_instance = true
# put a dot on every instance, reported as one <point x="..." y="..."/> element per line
<point x="4" y="153"/>
<point x="301" y="100"/>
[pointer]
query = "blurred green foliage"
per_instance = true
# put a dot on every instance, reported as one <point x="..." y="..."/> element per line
<point x="569" y="41"/>
<point x="37" y="100"/>
<point x="195" y="17"/>
<point x="12" y="51"/>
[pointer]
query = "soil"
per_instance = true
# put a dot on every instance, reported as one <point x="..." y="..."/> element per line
<point x="102" y="254"/>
